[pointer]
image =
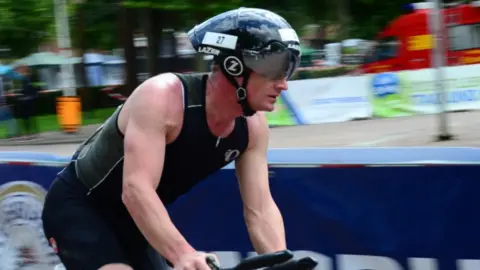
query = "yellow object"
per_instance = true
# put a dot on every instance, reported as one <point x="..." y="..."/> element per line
<point x="69" y="113"/>
<point x="420" y="42"/>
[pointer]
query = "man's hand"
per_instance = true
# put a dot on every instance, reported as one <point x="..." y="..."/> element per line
<point x="195" y="261"/>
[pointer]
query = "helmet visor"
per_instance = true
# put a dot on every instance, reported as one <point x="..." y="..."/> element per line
<point x="276" y="61"/>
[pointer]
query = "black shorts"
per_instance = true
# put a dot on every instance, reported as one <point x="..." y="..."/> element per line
<point x="83" y="237"/>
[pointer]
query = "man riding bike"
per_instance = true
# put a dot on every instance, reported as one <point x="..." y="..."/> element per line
<point x="108" y="206"/>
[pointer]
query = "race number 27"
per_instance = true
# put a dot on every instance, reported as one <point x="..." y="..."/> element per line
<point x="220" y="39"/>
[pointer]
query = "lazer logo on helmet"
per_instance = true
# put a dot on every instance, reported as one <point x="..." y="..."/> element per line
<point x="233" y="66"/>
<point x="209" y="50"/>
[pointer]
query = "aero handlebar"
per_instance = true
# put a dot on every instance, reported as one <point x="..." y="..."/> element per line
<point x="281" y="260"/>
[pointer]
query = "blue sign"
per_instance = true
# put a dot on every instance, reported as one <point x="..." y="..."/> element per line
<point x="385" y="84"/>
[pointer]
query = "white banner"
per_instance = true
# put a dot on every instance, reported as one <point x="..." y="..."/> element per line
<point x="415" y="92"/>
<point x="336" y="99"/>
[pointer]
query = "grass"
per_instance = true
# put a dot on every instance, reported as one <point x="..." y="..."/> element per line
<point x="47" y="123"/>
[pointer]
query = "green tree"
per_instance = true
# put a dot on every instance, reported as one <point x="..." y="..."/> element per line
<point x="25" y="24"/>
<point x="360" y="19"/>
<point x="371" y="16"/>
<point x="99" y="25"/>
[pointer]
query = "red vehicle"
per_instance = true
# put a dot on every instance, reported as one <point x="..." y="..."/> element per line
<point x="406" y="43"/>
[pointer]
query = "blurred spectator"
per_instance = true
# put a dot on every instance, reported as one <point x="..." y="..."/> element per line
<point x="26" y="102"/>
<point x="6" y="115"/>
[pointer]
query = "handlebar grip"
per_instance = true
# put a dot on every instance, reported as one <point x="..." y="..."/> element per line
<point x="307" y="263"/>
<point x="212" y="264"/>
<point x="264" y="260"/>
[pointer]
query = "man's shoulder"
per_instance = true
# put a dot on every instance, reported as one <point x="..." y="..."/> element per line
<point x="162" y="83"/>
<point x="159" y="97"/>
<point x="160" y="88"/>
<point x="258" y="128"/>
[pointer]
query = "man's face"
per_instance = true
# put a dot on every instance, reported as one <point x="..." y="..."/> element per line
<point x="263" y="92"/>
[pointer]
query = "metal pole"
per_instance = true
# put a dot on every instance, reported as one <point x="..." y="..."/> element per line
<point x="67" y="77"/>
<point x="438" y="59"/>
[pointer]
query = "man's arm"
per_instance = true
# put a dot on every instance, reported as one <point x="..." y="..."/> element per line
<point x="145" y="141"/>
<point x="262" y="216"/>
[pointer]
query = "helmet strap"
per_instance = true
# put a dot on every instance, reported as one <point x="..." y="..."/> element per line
<point x="242" y="95"/>
<point x="232" y="67"/>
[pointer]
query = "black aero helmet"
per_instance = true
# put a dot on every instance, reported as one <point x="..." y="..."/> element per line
<point x="245" y="40"/>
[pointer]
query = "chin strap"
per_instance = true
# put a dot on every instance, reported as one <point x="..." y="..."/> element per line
<point x="232" y="67"/>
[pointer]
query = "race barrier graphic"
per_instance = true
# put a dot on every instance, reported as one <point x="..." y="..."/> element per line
<point x="409" y="93"/>
<point x="391" y="94"/>
<point x="25" y="179"/>
<point x="336" y="99"/>
<point x="351" y="209"/>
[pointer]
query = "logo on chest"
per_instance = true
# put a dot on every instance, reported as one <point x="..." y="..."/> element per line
<point x="231" y="155"/>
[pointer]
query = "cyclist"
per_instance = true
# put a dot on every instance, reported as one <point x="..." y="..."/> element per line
<point x="108" y="206"/>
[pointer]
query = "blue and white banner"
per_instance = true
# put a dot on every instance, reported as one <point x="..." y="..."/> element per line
<point x="366" y="215"/>
<point x="391" y="94"/>
<point x="351" y="209"/>
<point x="327" y="100"/>
<point x="378" y="218"/>
<point x="416" y="92"/>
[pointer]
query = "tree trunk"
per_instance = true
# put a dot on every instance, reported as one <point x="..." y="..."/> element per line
<point x="129" y="50"/>
<point x="344" y="18"/>
<point x="87" y="99"/>
<point x="149" y="24"/>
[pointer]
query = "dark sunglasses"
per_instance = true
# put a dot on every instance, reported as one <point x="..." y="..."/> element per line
<point x="275" y="61"/>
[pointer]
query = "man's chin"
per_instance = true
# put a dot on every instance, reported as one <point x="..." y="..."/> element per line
<point x="267" y="108"/>
<point x="264" y="107"/>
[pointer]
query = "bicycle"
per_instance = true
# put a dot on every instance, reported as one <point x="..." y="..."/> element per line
<point x="281" y="260"/>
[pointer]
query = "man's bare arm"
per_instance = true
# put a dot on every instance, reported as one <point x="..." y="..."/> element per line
<point x="262" y="216"/>
<point x="145" y="141"/>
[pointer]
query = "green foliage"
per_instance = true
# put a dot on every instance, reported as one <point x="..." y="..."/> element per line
<point x="159" y="4"/>
<point x="99" y="26"/>
<point x="24" y="24"/>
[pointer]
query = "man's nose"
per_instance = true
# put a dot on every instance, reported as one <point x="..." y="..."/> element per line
<point x="281" y="84"/>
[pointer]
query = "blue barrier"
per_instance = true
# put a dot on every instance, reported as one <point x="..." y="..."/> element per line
<point x="382" y="217"/>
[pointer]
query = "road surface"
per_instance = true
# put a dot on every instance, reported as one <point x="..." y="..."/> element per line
<point x="58" y="149"/>
<point x="402" y="131"/>
<point x="405" y="131"/>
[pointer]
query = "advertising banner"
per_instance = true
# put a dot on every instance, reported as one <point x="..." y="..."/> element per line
<point x="327" y="100"/>
<point x="409" y="93"/>
<point x="22" y="192"/>
<point x="386" y="217"/>
<point x="350" y="209"/>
